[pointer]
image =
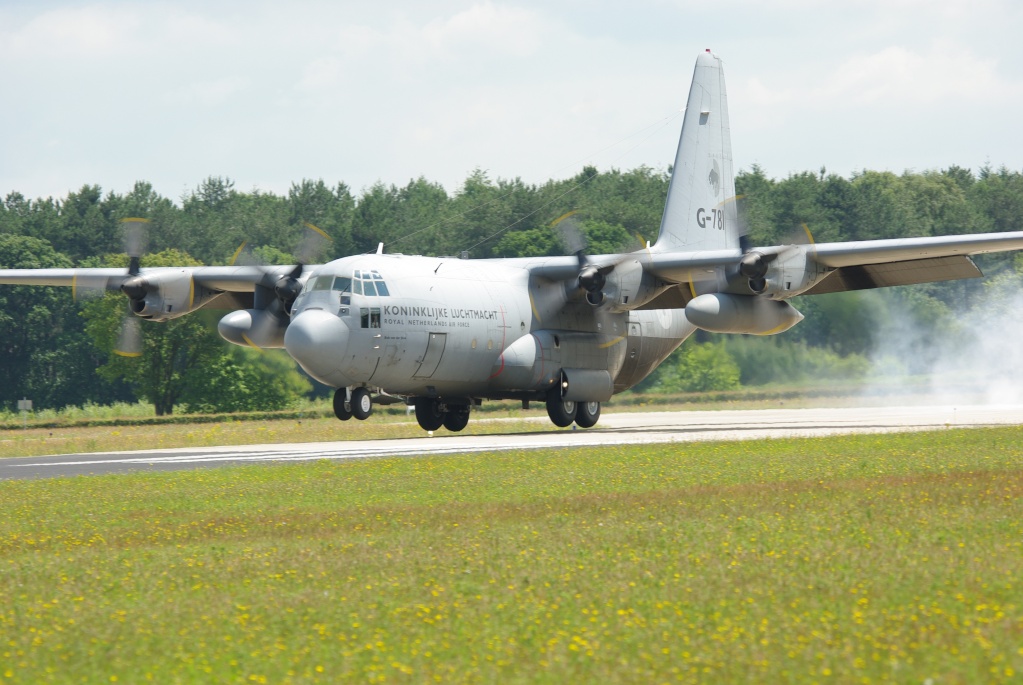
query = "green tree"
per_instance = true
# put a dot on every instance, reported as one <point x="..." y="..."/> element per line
<point x="331" y="210"/>
<point x="243" y="379"/>
<point x="998" y="196"/>
<point x="46" y="356"/>
<point x="176" y="355"/>
<point x="535" y="242"/>
<point x="694" y="367"/>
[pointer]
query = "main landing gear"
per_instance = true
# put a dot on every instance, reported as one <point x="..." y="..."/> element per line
<point x="563" y="413"/>
<point x="431" y="414"/>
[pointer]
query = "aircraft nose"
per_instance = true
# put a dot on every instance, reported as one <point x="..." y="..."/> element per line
<point x="317" y="339"/>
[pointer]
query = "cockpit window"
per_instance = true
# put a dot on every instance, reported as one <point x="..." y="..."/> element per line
<point x="321" y="283"/>
<point x="369" y="283"/>
<point x="342" y="284"/>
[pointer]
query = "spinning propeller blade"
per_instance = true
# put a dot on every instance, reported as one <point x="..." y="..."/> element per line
<point x="129" y="340"/>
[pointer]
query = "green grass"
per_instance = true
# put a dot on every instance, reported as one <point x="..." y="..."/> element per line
<point x="845" y="559"/>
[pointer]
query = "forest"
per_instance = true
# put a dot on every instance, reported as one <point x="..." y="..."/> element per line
<point x="57" y="349"/>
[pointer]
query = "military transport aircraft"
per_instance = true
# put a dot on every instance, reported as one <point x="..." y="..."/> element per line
<point x="443" y="334"/>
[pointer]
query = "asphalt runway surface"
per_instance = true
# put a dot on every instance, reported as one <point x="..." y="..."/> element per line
<point x="613" y="429"/>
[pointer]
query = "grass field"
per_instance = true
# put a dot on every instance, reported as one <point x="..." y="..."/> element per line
<point x="845" y="559"/>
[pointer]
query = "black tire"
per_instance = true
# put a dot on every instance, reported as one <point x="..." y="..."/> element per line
<point x="341" y="408"/>
<point x="562" y="412"/>
<point x="587" y="414"/>
<point x="456" y="419"/>
<point x="362" y="404"/>
<point x="428" y="414"/>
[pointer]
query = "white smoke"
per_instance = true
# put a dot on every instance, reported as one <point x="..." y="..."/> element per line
<point x="973" y="356"/>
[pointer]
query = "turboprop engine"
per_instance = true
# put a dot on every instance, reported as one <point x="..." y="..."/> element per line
<point x="627" y="287"/>
<point x="166" y="295"/>
<point x="725" y="313"/>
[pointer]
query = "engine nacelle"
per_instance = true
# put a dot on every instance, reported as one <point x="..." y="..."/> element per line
<point x="724" y="313"/>
<point x="253" y="328"/>
<point x="627" y="287"/>
<point x="168" y="295"/>
<point x="782" y="272"/>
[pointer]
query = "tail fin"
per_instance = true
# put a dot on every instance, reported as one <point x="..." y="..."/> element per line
<point x="700" y="213"/>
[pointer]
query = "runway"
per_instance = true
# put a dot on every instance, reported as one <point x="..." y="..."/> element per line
<point x="613" y="429"/>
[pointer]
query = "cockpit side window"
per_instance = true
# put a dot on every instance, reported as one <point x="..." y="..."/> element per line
<point x="343" y="285"/>
<point x="321" y="283"/>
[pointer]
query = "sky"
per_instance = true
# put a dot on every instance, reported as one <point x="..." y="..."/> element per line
<point x="270" y="93"/>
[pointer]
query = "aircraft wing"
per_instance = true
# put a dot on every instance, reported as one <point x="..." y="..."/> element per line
<point x="218" y="278"/>
<point x="869" y="264"/>
<point x="162" y="293"/>
<point x="863" y="252"/>
<point x="847" y="266"/>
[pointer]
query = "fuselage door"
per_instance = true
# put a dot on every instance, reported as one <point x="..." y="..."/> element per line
<point x="635" y="342"/>
<point x="434" y="353"/>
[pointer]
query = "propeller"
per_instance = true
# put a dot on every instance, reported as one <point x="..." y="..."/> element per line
<point x="592" y="277"/>
<point x="286" y="287"/>
<point x="135" y="286"/>
<point x="129" y="340"/>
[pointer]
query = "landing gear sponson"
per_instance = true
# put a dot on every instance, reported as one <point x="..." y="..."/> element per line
<point x="432" y="413"/>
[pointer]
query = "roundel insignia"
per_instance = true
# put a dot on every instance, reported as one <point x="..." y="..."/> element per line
<point x="664" y="318"/>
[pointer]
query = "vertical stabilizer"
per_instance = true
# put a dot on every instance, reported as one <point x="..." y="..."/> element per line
<point x="700" y="213"/>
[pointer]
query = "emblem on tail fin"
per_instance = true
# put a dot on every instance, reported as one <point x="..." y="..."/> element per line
<point x="700" y="211"/>
<point x="714" y="178"/>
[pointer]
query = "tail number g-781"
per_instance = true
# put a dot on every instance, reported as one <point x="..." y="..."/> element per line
<point x="715" y="218"/>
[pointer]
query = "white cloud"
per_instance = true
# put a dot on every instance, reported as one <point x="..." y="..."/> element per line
<point x="269" y="93"/>
<point x="205" y="93"/>
<point x="79" y="32"/>
<point x="505" y="30"/>
<point x="894" y="76"/>
<point x="901" y="75"/>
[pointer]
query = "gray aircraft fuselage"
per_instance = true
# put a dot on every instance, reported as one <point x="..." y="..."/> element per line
<point x="447" y="327"/>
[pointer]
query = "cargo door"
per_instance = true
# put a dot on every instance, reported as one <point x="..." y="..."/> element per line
<point x="431" y="358"/>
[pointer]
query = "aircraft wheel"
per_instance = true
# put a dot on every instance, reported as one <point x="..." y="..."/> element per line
<point x="341" y="408"/>
<point x="456" y="419"/>
<point x="362" y="404"/>
<point x="587" y="414"/>
<point x="428" y="414"/>
<point x="562" y="412"/>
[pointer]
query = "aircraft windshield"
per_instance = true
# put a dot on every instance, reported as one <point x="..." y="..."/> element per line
<point x="369" y="283"/>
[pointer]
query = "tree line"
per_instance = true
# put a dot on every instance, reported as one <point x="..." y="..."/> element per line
<point x="57" y="350"/>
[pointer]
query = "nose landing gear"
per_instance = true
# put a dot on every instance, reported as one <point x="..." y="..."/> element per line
<point x="357" y="403"/>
